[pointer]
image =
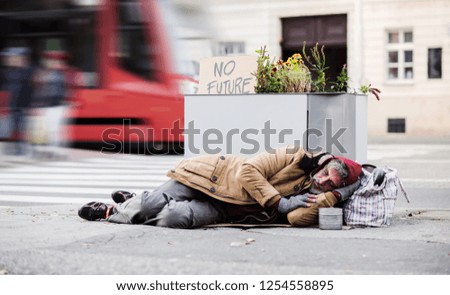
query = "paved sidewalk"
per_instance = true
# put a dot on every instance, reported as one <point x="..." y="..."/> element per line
<point x="54" y="240"/>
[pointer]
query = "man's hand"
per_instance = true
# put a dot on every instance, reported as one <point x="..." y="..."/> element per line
<point x="286" y="205"/>
<point x="346" y="191"/>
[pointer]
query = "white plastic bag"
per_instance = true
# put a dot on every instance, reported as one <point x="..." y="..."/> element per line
<point x="373" y="205"/>
<point x="38" y="131"/>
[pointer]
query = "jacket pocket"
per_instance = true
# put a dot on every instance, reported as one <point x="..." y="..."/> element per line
<point x="202" y="172"/>
<point x="202" y="169"/>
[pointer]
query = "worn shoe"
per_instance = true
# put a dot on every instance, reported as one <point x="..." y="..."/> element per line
<point x="121" y="196"/>
<point x="94" y="211"/>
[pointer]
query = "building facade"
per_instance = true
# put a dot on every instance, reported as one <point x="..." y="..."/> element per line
<point x="399" y="46"/>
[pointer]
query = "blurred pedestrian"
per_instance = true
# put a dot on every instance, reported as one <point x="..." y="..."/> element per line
<point x="16" y="80"/>
<point x="51" y="89"/>
<point x="4" y="97"/>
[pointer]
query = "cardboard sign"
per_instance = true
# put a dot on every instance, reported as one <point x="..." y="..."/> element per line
<point x="227" y="75"/>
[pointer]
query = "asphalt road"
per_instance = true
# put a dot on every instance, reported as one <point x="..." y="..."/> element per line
<point x="49" y="238"/>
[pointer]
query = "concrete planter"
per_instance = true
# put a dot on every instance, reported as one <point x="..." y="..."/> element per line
<point x="342" y="119"/>
<point x="252" y="123"/>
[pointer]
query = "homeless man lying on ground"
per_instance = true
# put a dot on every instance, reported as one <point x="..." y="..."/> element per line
<point x="287" y="185"/>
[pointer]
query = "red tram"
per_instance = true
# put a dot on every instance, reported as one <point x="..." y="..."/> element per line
<point x="129" y="96"/>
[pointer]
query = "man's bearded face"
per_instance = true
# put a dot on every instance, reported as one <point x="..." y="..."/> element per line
<point x="326" y="180"/>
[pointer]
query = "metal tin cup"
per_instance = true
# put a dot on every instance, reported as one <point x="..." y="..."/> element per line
<point x="330" y="218"/>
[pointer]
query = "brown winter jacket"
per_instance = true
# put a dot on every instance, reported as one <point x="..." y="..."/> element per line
<point x="263" y="179"/>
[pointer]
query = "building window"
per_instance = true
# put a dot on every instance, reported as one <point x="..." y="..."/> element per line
<point x="134" y="52"/>
<point x="228" y="48"/>
<point x="435" y="63"/>
<point x="400" y="55"/>
<point x="397" y="125"/>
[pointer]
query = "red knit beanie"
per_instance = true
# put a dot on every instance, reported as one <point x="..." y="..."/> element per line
<point x="354" y="170"/>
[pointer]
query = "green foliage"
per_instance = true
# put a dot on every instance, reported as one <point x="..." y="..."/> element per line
<point x="364" y="89"/>
<point x="296" y="74"/>
<point x="368" y="89"/>
<point x="341" y="85"/>
<point x="268" y="78"/>
<point x="276" y="76"/>
<point x="280" y="77"/>
<point x="317" y="63"/>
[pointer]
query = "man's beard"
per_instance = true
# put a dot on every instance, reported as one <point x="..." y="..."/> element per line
<point x="314" y="189"/>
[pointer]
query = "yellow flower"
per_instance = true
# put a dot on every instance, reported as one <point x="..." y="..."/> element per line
<point x="297" y="56"/>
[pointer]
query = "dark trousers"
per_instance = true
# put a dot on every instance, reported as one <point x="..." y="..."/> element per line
<point x="17" y="124"/>
<point x="171" y="205"/>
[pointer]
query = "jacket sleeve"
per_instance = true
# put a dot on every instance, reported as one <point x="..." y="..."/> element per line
<point x="256" y="172"/>
<point x="310" y="216"/>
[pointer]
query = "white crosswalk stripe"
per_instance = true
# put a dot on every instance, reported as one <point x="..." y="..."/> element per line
<point x="94" y="176"/>
<point x="79" y="181"/>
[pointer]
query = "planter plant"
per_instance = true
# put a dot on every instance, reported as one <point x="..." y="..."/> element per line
<point x="294" y="76"/>
<point x="292" y="106"/>
<point x="281" y="77"/>
<point x="336" y="114"/>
